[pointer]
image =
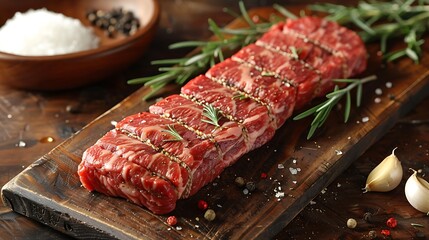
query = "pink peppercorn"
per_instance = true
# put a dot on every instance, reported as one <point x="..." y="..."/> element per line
<point x="385" y="232"/>
<point x="203" y="205"/>
<point x="391" y="222"/>
<point x="172" y="220"/>
<point x="264" y="175"/>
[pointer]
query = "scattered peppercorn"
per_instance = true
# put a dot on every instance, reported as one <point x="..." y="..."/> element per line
<point x="203" y="205"/>
<point x="372" y="234"/>
<point x="210" y="215"/>
<point x="367" y="217"/>
<point x="391" y="222"/>
<point x="251" y="186"/>
<point x="239" y="181"/>
<point x="114" y="21"/>
<point x="172" y="220"/>
<point x="264" y="175"/>
<point x="385" y="232"/>
<point x="351" y="223"/>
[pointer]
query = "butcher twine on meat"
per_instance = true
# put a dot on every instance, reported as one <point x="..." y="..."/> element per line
<point x="294" y="62"/>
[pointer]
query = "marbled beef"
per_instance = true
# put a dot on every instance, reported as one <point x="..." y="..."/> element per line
<point x="254" y="92"/>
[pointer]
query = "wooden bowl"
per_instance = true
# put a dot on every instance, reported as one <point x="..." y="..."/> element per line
<point x="77" y="69"/>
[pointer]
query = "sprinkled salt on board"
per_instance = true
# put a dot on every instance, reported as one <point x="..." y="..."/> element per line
<point x="43" y="33"/>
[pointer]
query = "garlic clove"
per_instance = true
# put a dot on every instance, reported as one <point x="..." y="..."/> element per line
<point x="417" y="192"/>
<point x="386" y="176"/>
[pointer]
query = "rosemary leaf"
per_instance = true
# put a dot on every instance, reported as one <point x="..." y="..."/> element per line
<point x="173" y="132"/>
<point x="284" y="11"/>
<point x="187" y="44"/>
<point x="197" y="58"/>
<point x="168" y="61"/>
<point x="307" y="112"/>
<point x="245" y="15"/>
<point x="322" y="110"/>
<point x="240" y="96"/>
<point x="215" y="29"/>
<point x="212" y="115"/>
<point x="359" y="94"/>
<point x="154" y="89"/>
<point x="347" y="107"/>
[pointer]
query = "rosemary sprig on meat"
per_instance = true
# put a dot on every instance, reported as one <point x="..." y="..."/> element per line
<point x="173" y="132"/>
<point x="212" y="115"/>
<point x="240" y="96"/>
<point x="321" y="111"/>
<point x="384" y="20"/>
<point x="209" y="52"/>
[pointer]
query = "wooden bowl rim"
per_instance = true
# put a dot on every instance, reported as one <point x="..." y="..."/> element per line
<point x="141" y="32"/>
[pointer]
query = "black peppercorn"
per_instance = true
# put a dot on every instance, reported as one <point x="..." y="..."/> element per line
<point x="367" y="217"/>
<point x="116" y="20"/>
<point x="251" y="186"/>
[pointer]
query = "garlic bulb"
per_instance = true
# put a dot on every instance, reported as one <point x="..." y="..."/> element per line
<point x="417" y="192"/>
<point x="386" y="176"/>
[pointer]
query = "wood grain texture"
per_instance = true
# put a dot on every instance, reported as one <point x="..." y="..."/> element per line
<point x="49" y="191"/>
<point x="326" y="216"/>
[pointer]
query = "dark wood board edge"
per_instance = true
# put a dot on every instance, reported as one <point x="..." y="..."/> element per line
<point x="37" y="210"/>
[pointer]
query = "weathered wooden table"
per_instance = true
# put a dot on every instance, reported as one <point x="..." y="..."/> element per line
<point x="32" y="123"/>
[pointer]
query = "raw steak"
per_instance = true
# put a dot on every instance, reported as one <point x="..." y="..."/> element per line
<point x="155" y="158"/>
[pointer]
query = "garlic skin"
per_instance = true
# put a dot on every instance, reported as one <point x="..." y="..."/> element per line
<point x="386" y="176"/>
<point x="417" y="192"/>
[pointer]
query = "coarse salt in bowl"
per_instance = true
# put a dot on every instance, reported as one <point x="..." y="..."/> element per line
<point x="44" y="33"/>
<point x="75" y="69"/>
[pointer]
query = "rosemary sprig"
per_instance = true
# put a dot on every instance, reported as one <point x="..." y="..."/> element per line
<point x="209" y="52"/>
<point x="212" y="115"/>
<point x="240" y="96"/>
<point x="173" y="132"/>
<point x="384" y="20"/>
<point x="321" y="111"/>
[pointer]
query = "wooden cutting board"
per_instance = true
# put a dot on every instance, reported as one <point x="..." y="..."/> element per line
<point x="49" y="190"/>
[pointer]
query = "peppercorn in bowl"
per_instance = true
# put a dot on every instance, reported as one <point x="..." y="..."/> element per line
<point x="53" y="45"/>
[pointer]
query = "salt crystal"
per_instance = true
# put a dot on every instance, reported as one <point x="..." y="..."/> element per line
<point x="338" y="184"/>
<point x="43" y="33"/>
<point x="9" y="116"/>
<point x="294" y="161"/>
<point x="280" y="195"/>
<point x="365" y="119"/>
<point x="312" y="202"/>
<point x="113" y="122"/>
<point x="178" y="228"/>
<point x="389" y="84"/>
<point x="245" y="191"/>
<point x="378" y="91"/>
<point x="293" y="171"/>
<point x="280" y="166"/>
<point x="22" y="144"/>
<point x="377" y="100"/>
<point x="338" y="152"/>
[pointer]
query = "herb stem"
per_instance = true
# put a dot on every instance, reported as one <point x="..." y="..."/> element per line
<point x="321" y="111"/>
